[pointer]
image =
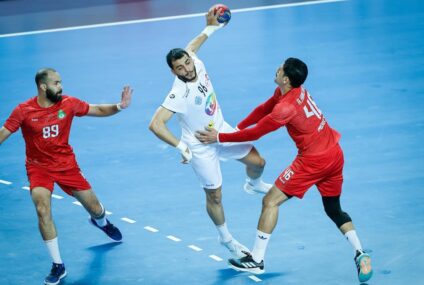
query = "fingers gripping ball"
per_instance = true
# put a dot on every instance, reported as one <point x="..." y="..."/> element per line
<point x="224" y="15"/>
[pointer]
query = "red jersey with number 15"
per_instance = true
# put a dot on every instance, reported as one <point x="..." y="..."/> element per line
<point x="46" y="131"/>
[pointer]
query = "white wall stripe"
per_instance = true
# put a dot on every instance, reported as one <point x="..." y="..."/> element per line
<point x="214" y="257"/>
<point x="173" y="238"/>
<point x="151" y="229"/>
<point x="5" y="182"/>
<point x="163" y="18"/>
<point x="195" y="248"/>
<point x="254" y="278"/>
<point x="125" y="219"/>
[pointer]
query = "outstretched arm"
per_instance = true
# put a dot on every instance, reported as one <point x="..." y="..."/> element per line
<point x="159" y="128"/>
<point x="4" y="134"/>
<point x="211" y="26"/>
<point x="103" y="110"/>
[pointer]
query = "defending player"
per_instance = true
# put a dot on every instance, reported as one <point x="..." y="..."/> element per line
<point x="45" y="121"/>
<point x="319" y="161"/>
<point x="193" y="99"/>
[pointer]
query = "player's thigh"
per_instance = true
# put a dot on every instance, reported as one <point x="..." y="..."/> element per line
<point x="331" y="185"/>
<point x="236" y="151"/>
<point x="207" y="169"/>
<point x="41" y="198"/>
<point x="72" y="181"/>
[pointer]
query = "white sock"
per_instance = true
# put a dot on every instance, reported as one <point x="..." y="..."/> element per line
<point x="354" y="240"/>
<point x="53" y="248"/>
<point x="101" y="222"/>
<point x="224" y="234"/>
<point x="256" y="181"/>
<point x="261" y="243"/>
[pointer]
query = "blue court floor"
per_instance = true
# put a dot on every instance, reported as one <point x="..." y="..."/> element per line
<point x="366" y="70"/>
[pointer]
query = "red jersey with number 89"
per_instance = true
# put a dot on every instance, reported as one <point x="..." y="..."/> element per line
<point x="46" y="131"/>
<point x="305" y="123"/>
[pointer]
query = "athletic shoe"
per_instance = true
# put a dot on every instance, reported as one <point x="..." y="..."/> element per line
<point x="58" y="272"/>
<point x="363" y="264"/>
<point x="111" y="231"/>
<point x="247" y="264"/>
<point x="260" y="187"/>
<point x="237" y="249"/>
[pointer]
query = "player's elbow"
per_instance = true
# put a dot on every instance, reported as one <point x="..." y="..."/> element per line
<point x="155" y="126"/>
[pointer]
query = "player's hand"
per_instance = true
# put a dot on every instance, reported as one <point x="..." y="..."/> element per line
<point x="186" y="153"/>
<point x="212" y="17"/>
<point x="208" y="136"/>
<point x="126" y="97"/>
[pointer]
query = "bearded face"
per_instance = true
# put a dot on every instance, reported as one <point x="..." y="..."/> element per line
<point x="54" y="95"/>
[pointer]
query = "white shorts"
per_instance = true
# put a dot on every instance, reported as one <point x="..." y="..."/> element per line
<point x="206" y="160"/>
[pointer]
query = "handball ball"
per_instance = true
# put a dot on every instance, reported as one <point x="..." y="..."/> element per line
<point x="225" y="14"/>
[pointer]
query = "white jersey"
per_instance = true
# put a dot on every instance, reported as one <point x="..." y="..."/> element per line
<point x="195" y="104"/>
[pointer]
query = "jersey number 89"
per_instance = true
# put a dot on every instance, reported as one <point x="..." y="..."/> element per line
<point x="51" y="131"/>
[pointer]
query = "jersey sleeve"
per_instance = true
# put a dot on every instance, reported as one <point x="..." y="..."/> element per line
<point x="283" y="113"/>
<point x="80" y="107"/>
<point x="15" y="120"/>
<point x="258" y="113"/>
<point x="175" y="102"/>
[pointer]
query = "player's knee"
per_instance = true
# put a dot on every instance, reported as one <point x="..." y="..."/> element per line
<point x="43" y="211"/>
<point x="214" y="197"/>
<point x="338" y="216"/>
<point x="269" y="202"/>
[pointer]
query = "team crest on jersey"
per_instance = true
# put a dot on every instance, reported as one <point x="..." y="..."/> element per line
<point x="61" y="114"/>
<point x="211" y="104"/>
<point x="198" y="100"/>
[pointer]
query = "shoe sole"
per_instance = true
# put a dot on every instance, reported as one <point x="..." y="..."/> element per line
<point x="256" y="271"/>
<point x="60" y="278"/>
<point x="365" y="272"/>
<point x="97" y="227"/>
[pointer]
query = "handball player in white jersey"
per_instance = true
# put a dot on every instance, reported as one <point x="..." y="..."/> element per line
<point x="193" y="100"/>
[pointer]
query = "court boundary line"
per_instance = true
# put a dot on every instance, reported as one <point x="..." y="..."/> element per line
<point x="167" y="18"/>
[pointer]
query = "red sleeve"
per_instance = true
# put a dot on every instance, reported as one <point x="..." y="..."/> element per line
<point x="259" y="112"/>
<point x="80" y="107"/>
<point x="264" y="126"/>
<point x="14" y="121"/>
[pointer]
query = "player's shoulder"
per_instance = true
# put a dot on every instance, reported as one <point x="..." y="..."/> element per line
<point x="179" y="89"/>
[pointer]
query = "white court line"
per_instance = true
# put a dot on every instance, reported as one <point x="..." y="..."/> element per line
<point x="173" y="238"/>
<point x="254" y="278"/>
<point x="25" y="188"/>
<point x="164" y="18"/>
<point x="151" y="229"/>
<point x="125" y="219"/>
<point x="77" y="203"/>
<point x="108" y="213"/>
<point x="5" y="182"/>
<point x="195" y="248"/>
<point x="214" y="257"/>
<point x="57" y="196"/>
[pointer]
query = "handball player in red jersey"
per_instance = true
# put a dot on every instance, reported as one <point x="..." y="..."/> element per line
<point x="45" y="121"/>
<point x="319" y="162"/>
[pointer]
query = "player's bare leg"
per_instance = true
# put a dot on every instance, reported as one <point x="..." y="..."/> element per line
<point x="89" y="201"/>
<point x="255" y="165"/>
<point x="42" y="201"/>
<point x="254" y="262"/>
<point x="216" y="213"/>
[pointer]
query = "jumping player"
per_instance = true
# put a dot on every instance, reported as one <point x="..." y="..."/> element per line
<point x="45" y="121"/>
<point x="193" y="99"/>
<point x="319" y="162"/>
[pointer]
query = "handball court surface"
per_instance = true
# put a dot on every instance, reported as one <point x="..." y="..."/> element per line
<point x="366" y="69"/>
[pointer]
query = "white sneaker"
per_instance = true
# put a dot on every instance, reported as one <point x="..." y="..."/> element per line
<point x="237" y="249"/>
<point x="260" y="187"/>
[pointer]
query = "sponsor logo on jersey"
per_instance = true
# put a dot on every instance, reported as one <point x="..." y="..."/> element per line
<point x="198" y="100"/>
<point x="211" y="104"/>
<point x="34" y="119"/>
<point x="172" y="96"/>
<point x="61" y="114"/>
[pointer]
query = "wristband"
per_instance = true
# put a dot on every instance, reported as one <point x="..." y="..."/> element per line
<point x="209" y="30"/>
<point x="118" y="106"/>
<point x="182" y="146"/>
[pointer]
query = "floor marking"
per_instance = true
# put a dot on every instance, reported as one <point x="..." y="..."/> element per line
<point x="254" y="278"/>
<point x="5" y="182"/>
<point x="128" y="220"/>
<point x="77" y="203"/>
<point x="57" y="196"/>
<point x="195" y="248"/>
<point x="214" y="257"/>
<point x="108" y="213"/>
<point x="150" y="229"/>
<point x="164" y="18"/>
<point x="25" y="188"/>
<point x="173" y="238"/>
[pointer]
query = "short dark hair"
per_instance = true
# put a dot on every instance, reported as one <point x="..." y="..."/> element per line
<point x="175" y="54"/>
<point x="42" y="74"/>
<point x="296" y="70"/>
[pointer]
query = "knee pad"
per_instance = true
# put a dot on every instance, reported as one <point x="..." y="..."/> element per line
<point x="334" y="212"/>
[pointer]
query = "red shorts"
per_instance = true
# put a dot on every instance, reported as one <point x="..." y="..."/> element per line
<point x="69" y="180"/>
<point x="324" y="170"/>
